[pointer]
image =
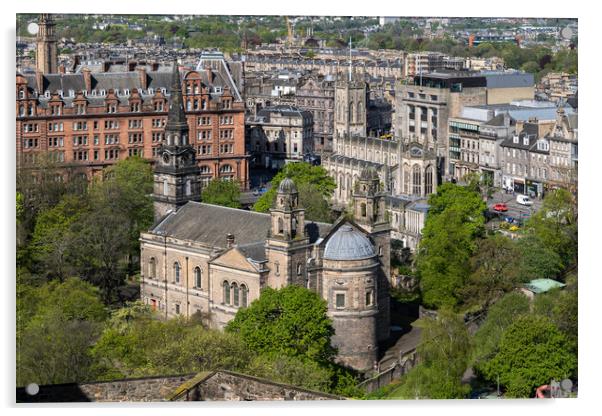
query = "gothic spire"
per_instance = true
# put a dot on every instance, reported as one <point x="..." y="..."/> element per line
<point x="176" y="119"/>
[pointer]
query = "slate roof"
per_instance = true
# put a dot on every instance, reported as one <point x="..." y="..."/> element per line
<point x="209" y="224"/>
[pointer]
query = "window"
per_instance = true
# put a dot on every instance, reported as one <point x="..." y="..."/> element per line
<point x="152" y="268"/>
<point x="176" y="272"/>
<point x="340" y="300"/>
<point x="197" y="277"/>
<point x="363" y="208"/>
<point x="299" y="269"/>
<point x="177" y="308"/>
<point x="235" y="294"/>
<point x="429" y="180"/>
<point x="277" y="265"/>
<point x="188" y="187"/>
<point x="416" y="180"/>
<point x="369" y="298"/>
<point x="226" y="287"/>
<point x="165" y="187"/>
<point x="243" y="295"/>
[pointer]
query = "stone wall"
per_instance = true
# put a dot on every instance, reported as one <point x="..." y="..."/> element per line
<point x="149" y="389"/>
<point x="224" y="385"/>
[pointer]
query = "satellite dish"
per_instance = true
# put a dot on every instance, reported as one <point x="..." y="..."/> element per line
<point x="566" y="33"/>
<point x="33" y="28"/>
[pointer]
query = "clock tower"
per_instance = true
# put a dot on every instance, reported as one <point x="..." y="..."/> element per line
<point x="176" y="173"/>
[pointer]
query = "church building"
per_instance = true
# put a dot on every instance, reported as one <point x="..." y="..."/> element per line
<point x="215" y="260"/>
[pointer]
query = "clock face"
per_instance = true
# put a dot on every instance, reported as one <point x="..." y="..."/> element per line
<point x="166" y="158"/>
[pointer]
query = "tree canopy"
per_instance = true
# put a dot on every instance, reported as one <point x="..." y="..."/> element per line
<point x="312" y="179"/>
<point x="532" y="351"/>
<point x="291" y="321"/>
<point x="222" y="192"/>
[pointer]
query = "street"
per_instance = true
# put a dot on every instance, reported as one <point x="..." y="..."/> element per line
<point x="515" y="210"/>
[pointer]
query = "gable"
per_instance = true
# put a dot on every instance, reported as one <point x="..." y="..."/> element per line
<point x="235" y="259"/>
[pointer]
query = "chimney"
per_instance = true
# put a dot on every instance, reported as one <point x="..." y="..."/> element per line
<point x="87" y="79"/>
<point x="142" y="75"/>
<point x="229" y="240"/>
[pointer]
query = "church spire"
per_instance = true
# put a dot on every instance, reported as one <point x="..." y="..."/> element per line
<point x="176" y="119"/>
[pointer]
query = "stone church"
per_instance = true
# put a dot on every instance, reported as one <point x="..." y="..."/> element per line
<point x="215" y="260"/>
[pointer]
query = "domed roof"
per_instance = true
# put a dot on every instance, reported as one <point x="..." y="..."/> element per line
<point x="287" y="186"/>
<point x="347" y="243"/>
<point x="368" y="174"/>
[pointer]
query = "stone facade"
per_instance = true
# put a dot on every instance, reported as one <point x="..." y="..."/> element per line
<point x="91" y="120"/>
<point x="280" y="134"/>
<point x="216" y="260"/>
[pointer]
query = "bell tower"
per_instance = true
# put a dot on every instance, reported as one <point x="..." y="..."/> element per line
<point x="46" y="52"/>
<point x="176" y="173"/>
<point x="287" y="246"/>
<point x="369" y="213"/>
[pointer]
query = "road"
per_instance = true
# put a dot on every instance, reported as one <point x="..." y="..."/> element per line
<point x="515" y="210"/>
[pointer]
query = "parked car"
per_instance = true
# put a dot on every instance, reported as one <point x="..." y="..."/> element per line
<point x="524" y="200"/>
<point x="500" y="207"/>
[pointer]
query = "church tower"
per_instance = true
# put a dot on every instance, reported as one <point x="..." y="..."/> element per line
<point x="369" y="213"/>
<point x="287" y="244"/>
<point x="176" y="173"/>
<point x="46" y="56"/>
<point x="350" y="99"/>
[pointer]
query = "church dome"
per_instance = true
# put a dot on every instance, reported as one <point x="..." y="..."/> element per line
<point x="287" y="186"/>
<point x="347" y="243"/>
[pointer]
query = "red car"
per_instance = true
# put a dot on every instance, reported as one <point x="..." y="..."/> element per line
<point x="500" y="207"/>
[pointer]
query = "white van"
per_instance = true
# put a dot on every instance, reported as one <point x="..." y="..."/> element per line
<point x="524" y="200"/>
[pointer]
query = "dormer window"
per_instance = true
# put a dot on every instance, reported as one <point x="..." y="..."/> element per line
<point x="515" y="139"/>
<point x="71" y="93"/>
<point x="21" y="94"/>
<point x="126" y="92"/>
<point x="151" y="91"/>
<point x="103" y="93"/>
<point x="47" y="94"/>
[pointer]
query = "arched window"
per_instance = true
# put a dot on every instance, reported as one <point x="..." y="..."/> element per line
<point x="299" y="269"/>
<point x="363" y="208"/>
<point x="152" y="268"/>
<point x="416" y="180"/>
<point x="351" y="113"/>
<point x="428" y="181"/>
<point x="235" y="294"/>
<point x="176" y="271"/>
<point x="197" y="277"/>
<point x="243" y="295"/>
<point x="280" y="226"/>
<point x="226" y="287"/>
<point x="406" y="179"/>
<point x="225" y="169"/>
<point x="165" y="187"/>
<point x="360" y="110"/>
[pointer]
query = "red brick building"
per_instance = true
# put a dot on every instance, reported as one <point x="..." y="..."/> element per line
<point x="93" y="119"/>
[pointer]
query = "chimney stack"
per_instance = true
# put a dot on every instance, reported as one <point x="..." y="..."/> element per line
<point x="142" y="75"/>
<point x="229" y="240"/>
<point x="87" y="79"/>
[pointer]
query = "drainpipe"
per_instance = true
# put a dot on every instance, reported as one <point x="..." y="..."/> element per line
<point x="187" y="301"/>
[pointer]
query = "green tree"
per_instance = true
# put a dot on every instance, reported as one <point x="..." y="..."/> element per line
<point x="222" y="192"/>
<point x="501" y="315"/>
<point x="530" y="66"/>
<point x="455" y="220"/>
<point x="536" y="261"/>
<point x="291" y="321"/>
<point x="443" y="350"/>
<point x="494" y="272"/>
<point x="54" y="336"/>
<point x="555" y="225"/>
<point x="126" y="192"/>
<point x="301" y="173"/>
<point x="315" y="204"/>
<point x="532" y="351"/>
<point x="50" y="248"/>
